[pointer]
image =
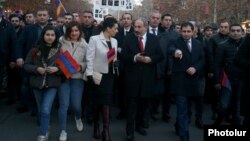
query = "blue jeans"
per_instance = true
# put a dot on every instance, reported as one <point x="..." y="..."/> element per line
<point x="182" y="115"/>
<point x="44" y="100"/>
<point x="70" y="91"/>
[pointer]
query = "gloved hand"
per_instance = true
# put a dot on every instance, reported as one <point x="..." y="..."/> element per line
<point x="90" y="79"/>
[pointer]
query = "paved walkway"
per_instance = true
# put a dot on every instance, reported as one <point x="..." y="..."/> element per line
<point x="23" y="127"/>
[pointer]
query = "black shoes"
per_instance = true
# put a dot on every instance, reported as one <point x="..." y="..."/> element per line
<point x="166" y="118"/>
<point x="176" y="127"/>
<point x="9" y="102"/>
<point x="199" y="123"/>
<point x="22" y="109"/>
<point x="120" y="116"/>
<point x="141" y="131"/>
<point x="130" y="138"/>
<point x="145" y="124"/>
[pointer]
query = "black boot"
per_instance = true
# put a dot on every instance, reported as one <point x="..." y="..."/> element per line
<point x="106" y="114"/>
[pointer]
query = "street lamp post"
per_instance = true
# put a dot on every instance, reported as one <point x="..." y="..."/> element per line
<point x="215" y="11"/>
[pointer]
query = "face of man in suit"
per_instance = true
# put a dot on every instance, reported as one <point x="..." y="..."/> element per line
<point x="224" y="28"/>
<point x="126" y="20"/>
<point x="166" y="22"/>
<point x="236" y="32"/>
<point x="154" y="19"/>
<point x="29" y="18"/>
<point x="87" y="19"/>
<point x="42" y="17"/>
<point x="68" y="19"/>
<point x="187" y="32"/>
<point x="140" y="28"/>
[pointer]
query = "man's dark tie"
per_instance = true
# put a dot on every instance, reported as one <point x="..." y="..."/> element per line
<point x="126" y="33"/>
<point x="154" y="31"/>
<point x="141" y="44"/>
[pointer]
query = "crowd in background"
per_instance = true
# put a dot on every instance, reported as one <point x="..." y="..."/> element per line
<point x="144" y="66"/>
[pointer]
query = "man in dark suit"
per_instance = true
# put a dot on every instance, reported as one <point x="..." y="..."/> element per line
<point x="68" y="17"/>
<point x="188" y="63"/>
<point x="7" y="44"/>
<point x="123" y="31"/>
<point x="242" y="60"/>
<point x="140" y="54"/>
<point x="26" y="42"/>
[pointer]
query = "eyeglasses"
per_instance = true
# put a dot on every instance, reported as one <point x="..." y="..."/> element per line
<point x="235" y="30"/>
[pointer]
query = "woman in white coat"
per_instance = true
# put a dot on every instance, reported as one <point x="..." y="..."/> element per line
<point x="101" y="58"/>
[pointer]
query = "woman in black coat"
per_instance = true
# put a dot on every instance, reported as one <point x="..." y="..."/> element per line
<point x="44" y="76"/>
<point x="243" y="61"/>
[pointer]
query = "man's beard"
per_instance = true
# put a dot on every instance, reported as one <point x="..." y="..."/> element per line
<point x="137" y="33"/>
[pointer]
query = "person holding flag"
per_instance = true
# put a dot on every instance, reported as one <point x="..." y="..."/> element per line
<point x="101" y="59"/>
<point x="72" y="62"/>
<point x="45" y="76"/>
<point x="229" y="77"/>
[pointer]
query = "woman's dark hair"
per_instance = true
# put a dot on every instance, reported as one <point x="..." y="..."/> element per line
<point x="109" y="22"/>
<point x="69" y="29"/>
<point x="41" y="44"/>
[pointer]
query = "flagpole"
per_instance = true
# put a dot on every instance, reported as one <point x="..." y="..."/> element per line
<point x="63" y="6"/>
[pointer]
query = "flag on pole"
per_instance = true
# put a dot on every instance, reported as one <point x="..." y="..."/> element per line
<point x="60" y="10"/>
<point x="67" y="64"/>
<point x="111" y="55"/>
<point x="224" y="80"/>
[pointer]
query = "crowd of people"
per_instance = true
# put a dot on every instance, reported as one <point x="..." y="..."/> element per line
<point x="142" y="65"/>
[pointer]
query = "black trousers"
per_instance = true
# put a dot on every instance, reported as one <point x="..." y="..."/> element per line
<point x="135" y="115"/>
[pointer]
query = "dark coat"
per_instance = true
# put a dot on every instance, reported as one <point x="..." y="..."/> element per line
<point x="182" y="83"/>
<point x="27" y="40"/>
<point x="242" y="60"/>
<point x="224" y="57"/>
<point x="166" y="64"/>
<point x="89" y="31"/>
<point x="213" y="44"/>
<point x="60" y="30"/>
<point x="120" y="35"/>
<point x="34" y="60"/>
<point x="8" y="41"/>
<point x="140" y="77"/>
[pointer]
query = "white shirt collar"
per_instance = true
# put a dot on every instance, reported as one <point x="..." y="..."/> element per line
<point x="150" y="29"/>
<point x="128" y="29"/>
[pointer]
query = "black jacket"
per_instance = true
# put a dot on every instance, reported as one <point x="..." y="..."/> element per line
<point x="27" y="40"/>
<point x="181" y="82"/>
<point x="224" y="57"/>
<point x="34" y="60"/>
<point x="213" y="44"/>
<point x="8" y="41"/>
<point x="89" y="31"/>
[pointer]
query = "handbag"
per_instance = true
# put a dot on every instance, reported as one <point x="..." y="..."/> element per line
<point x="97" y="77"/>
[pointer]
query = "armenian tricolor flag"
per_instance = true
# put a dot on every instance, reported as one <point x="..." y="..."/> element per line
<point x="111" y="55"/>
<point x="67" y="64"/>
<point x="224" y="80"/>
<point x="60" y="10"/>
